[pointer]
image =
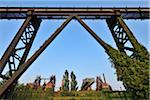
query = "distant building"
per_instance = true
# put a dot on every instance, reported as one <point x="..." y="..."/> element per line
<point x="100" y="85"/>
<point x="36" y="84"/>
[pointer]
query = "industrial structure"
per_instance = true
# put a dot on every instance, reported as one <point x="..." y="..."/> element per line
<point x="87" y="82"/>
<point x="33" y="17"/>
<point x="102" y="85"/>
<point x="37" y="83"/>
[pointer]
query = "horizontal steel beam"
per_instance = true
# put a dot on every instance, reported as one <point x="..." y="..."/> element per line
<point x="84" y="13"/>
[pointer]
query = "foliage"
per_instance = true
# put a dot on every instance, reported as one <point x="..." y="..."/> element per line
<point x="1" y="83"/>
<point x="133" y="72"/>
<point x="73" y="82"/>
<point x="25" y="93"/>
<point x="65" y="82"/>
<point x="67" y="93"/>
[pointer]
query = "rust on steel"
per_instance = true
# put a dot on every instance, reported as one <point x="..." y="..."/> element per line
<point x="26" y="65"/>
<point x="84" y="13"/>
<point x="92" y="33"/>
<point x="39" y="13"/>
<point x="121" y="34"/>
<point x="13" y="44"/>
<point x="23" y="35"/>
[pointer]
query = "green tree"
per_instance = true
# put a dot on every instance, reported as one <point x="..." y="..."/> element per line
<point x="65" y="86"/>
<point x="73" y="82"/>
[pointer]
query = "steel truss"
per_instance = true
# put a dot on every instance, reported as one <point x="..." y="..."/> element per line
<point x="122" y="34"/>
<point x="27" y="33"/>
<point x="18" y="50"/>
<point x="26" y="64"/>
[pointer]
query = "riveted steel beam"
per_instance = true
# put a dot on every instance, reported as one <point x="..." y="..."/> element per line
<point x="84" y="13"/>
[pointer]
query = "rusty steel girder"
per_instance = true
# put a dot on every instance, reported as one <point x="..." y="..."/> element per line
<point x="84" y="13"/>
<point x="24" y="66"/>
<point x="25" y="37"/>
<point x="18" y="50"/>
<point x="93" y="34"/>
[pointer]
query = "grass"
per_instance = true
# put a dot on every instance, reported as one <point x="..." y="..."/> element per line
<point x="24" y="93"/>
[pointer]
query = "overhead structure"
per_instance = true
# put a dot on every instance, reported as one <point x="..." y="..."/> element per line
<point x="33" y="17"/>
<point x="64" y="12"/>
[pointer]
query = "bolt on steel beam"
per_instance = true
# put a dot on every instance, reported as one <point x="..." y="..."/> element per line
<point x="25" y="66"/>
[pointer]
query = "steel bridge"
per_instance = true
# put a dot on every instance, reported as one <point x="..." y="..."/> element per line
<point x="84" y="13"/>
<point x="33" y="17"/>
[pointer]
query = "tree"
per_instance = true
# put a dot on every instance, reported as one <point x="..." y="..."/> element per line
<point x="73" y="82"/>
<point x="65" y="85"/>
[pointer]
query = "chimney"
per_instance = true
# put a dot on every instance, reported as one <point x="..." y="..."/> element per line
<point x="104" y="78"/>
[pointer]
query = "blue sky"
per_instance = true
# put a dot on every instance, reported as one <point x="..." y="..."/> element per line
<point x="74" y="49"/>
<point x="75" y="3"/>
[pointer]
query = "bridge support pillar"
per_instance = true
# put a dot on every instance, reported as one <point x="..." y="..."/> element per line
<point x="25" y="65"/>
<point x="18" y="50"/>
<point x="123" y="36"/>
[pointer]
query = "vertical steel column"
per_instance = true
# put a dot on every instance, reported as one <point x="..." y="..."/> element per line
<point x="26" y="65"/>
<point x="122" y="34"/>
<point x="25" y="37"/>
